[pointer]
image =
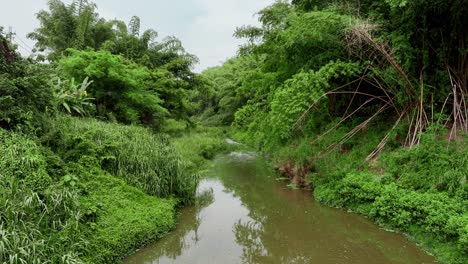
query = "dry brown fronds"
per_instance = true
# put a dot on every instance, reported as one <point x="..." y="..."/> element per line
<point x="459" y="106"/>
<point x="361" y="43"/>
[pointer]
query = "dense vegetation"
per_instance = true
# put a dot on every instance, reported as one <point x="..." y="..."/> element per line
<point x="363" y="101"/>
<point x="88" y="169"/>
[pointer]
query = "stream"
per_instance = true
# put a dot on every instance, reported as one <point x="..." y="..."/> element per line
<point x="244" y="215"/>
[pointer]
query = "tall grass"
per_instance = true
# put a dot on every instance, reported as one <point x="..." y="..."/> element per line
<point x="38" y="218"/>
<point x="145" y="160"/>
<point x="199" y="145"/>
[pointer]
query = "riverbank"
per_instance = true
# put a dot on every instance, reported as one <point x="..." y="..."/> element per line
<point x="86" y="191"/>
<point x="108" y="209"/>
<point x="420" y="191"/>
<point x="196" y="147"/>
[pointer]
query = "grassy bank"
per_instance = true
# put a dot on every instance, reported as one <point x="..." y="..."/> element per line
<point x="419" y="191"/>
<point x="86" y="191"/>
<point x="201" y="144"/>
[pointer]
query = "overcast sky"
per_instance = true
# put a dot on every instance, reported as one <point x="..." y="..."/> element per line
<point x="205" y="27"/>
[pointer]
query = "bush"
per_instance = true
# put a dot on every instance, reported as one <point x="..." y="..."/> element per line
<point x="436" y="215"/>
<point x="355" y="190"/>
<point x="63" y="207"/>
<point x="24" y="94"/>
<point x="433" y="165"/>
<point x="120" y="87"/>
<point x="404" y="208"/>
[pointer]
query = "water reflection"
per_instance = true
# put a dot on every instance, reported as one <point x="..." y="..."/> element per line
<point x="245" y="216"/>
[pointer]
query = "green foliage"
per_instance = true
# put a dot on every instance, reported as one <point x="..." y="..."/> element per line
<point x="69" y="200"/>
<point x="433" y="218"/>
<point x="229" y="89"/>
<point x="298" y="61"/>
<point x="421" y="190"/>
<point x="353" y="190"/>
<point x="66" y="209"/>
<point x="176" y="89"/>
<point x="163" y="67"/>
<point x="121" y="88"/>
<point x="24" y="93"/>
<point x="175" y="127"/>
<point x="435" y="44"/>
<point x="73" y="98"/>
<point x="76" y="25"/>
<point x="39" y="216"/>
<point x="397" y="3"/>
<point x="431" y="166"/>
<point x="311" y="41"/>
<point x="435" y="214"/>
<point x="404" y="53"/>
<point x="301" y="91"/>
<point x="120" y="218"/>
<point x="144" y="160"/>
<point x="199" y="145"/>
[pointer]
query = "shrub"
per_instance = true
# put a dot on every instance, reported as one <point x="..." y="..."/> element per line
<point x="121" y="88"/>
<point x="292" y="100"/>
<point x="434" y="165"/>
<point x="72" y="98"/>
<point x="119" y="218"/>
<point x="355" y="190"/>
<point x="24" y="94"/>
<point x="435" y="214"/>
<point x="434" y="217"/>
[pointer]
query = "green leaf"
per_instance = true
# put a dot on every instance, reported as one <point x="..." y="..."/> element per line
<point x="67" y="107"/>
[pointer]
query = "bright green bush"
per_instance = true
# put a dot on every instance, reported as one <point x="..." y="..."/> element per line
<point x="435" y="215"/>
<point x="355" y="190"/>
<point x="73" y="98"/>
<point x="63" y="207"/>
<point x="404" y="208"/>
<point x="297" y="94"/>
<point x="121" y="88"/>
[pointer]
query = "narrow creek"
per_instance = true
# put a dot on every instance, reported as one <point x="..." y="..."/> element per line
<point x="243" y="215"/>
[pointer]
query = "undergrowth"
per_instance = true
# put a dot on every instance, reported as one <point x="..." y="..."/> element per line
<point x="86" y="191"/>
<point x="199" y="145"/>
<point x="40" y="215"/>
<point x="144" y="160"/>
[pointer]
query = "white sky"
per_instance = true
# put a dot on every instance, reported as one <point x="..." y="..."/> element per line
<point x="205" y="27"/>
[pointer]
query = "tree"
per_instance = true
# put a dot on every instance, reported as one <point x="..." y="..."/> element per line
<point x="122" y="89"/>
<point x="69" y="26"/>
<point x="24" y="89"/>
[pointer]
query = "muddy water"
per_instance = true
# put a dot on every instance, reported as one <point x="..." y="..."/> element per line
<point x="243" y="215"/>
